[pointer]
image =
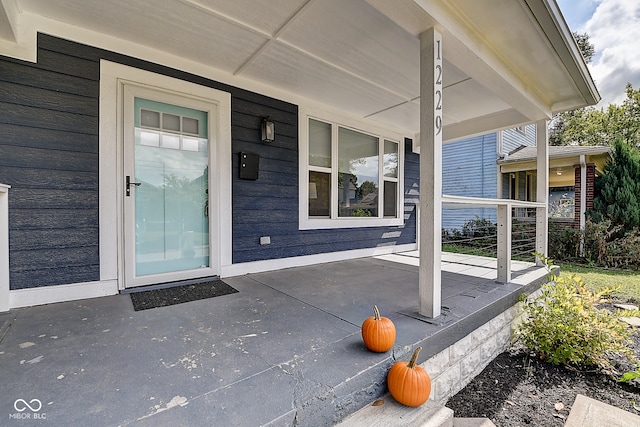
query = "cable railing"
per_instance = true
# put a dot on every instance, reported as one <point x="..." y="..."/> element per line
<point x="520" y="230"/>
<point x="479" y="236"/>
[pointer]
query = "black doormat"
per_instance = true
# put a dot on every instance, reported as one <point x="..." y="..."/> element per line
<point x="178" y="294"/>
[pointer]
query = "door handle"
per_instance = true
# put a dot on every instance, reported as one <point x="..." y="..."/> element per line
<point x="128" y="184"/>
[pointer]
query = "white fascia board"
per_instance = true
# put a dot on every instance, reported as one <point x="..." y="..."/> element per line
<point x="463" y="48"/>
<point x="549" y="17"/>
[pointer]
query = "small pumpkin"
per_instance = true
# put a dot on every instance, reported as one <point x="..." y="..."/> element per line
<point x="408" y="383"/>
<point x="378" y="333"/>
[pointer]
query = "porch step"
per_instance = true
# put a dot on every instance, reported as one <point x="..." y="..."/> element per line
<point x="473" y="422"/>
<point x="391" y="413"/>
<point x="588" y="412"/>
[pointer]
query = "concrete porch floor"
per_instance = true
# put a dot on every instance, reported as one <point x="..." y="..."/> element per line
<point x="285" y="350"/>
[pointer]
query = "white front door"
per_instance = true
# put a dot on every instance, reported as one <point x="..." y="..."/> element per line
<point x="169" y="213"/>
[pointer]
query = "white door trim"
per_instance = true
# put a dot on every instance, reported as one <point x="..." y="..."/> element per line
<point x="112" y="79"/>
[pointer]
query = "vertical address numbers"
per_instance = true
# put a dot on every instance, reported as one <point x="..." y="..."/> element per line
<point x="437" y="61"/>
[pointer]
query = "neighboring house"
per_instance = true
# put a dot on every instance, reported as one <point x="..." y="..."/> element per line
<point x="571" y="169"/>
<point x="143" y="145"/>
<point x="503" y="165"/>
<point x="470" y="168"/>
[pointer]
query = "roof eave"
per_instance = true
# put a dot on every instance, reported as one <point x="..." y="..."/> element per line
<point x="553" y="24"/>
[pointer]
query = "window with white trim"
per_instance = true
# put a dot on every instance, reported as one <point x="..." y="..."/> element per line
<point x="352" y="178"/>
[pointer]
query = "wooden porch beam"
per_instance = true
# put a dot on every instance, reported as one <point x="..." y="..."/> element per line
<point x="431" y="129"/>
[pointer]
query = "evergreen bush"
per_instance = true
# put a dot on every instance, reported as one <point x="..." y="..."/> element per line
<point x="617" y="191"/>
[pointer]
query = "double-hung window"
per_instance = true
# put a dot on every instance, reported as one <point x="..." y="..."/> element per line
<point x="349" y="177"/>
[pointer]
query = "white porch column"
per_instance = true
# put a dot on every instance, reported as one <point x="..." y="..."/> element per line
<point x="583" y="192"/>
<point x="542" y="193"/>
<point x="583" y="199"/>
<point x="4" y="248"/>
<point x="430" y="172"/>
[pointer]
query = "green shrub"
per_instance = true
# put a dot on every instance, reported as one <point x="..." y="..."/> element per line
<point x="565" y="327"/>
<point x="604" y="245"/>
<point x="564" y="242"/>
<point x="479" y="227"/>
<point x="617" y="190"/>
<point x="596" y="235"/>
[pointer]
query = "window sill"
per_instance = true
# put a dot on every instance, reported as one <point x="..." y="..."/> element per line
<point x="325" y="223"/>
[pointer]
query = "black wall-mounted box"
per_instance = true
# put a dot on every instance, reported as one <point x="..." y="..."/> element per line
<point x="249" y="165"/>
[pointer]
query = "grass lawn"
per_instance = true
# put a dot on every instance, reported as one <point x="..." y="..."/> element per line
<point x="598" y="278"/>
<point x="595" y="278"/>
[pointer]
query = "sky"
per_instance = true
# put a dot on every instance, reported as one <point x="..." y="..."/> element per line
<point x="614" y="29"/>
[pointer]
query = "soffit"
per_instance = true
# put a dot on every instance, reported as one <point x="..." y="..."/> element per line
<point x="358" y="56"/>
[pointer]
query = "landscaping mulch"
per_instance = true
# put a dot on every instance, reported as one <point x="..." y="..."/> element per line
<point x="519" y="389"/>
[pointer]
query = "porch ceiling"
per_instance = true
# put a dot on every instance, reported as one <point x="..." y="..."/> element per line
<point x="506" y="62"/>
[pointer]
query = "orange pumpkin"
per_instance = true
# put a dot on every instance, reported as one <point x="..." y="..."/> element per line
<point x="408" y="383"/>
<point x="378" y="333"/>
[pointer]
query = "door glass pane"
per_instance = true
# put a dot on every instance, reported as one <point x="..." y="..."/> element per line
<point x="150" y="119"/>
<point x="171" y="122"/>
<point x="319" y="194"/>
<point x="189" y="125"/>
<point x="319" y="144"/>
<point x="190" y="144"/>
<point x="171" y="204"/>
<point x="171" y="141"/>
<point x="358" y="163"/>
<point x="149" y="138"/>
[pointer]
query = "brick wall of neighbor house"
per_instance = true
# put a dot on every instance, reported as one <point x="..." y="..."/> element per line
<point x="591" y="177"/>
<point x="49" y="155"/>
<point x="578" y="194"/>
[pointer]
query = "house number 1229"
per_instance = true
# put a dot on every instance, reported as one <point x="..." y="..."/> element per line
<point x="438" y="89"/>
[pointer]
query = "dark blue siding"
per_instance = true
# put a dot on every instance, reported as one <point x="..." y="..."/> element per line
<point x="269" y="207"/>
<point x="49" y="155"/>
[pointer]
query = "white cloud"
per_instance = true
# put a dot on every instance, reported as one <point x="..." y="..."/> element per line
<point x="614" y="30"/>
